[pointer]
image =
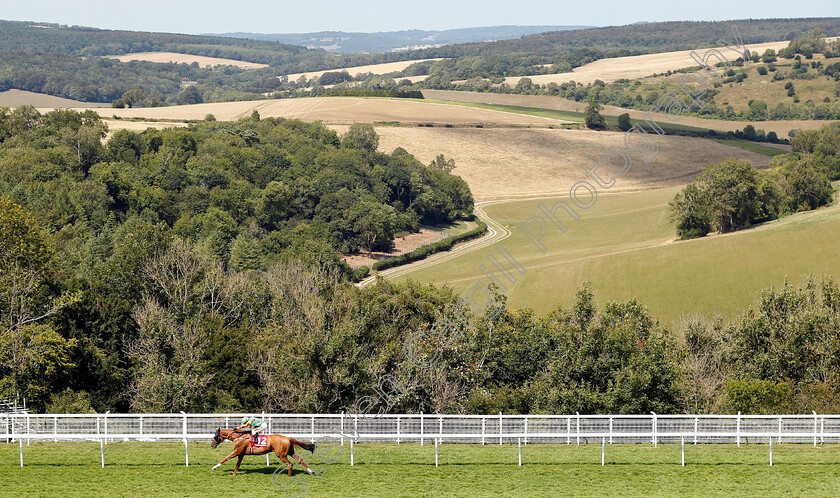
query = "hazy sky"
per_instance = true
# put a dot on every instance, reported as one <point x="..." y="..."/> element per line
<point x="206" y="16"/>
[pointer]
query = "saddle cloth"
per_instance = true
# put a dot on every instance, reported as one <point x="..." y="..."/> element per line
<point x="259" y="441"/>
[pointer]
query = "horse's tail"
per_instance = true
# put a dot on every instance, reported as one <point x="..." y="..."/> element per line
<point x="307" y="446"/>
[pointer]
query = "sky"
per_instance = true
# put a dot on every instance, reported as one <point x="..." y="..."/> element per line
<point x="301" y="16"/>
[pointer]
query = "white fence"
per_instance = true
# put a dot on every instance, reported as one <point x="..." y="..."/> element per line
<point x="397" y="428"/>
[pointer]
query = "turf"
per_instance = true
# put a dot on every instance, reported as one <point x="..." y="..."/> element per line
<point x="157" y="469"/>
<point x="625" y="247"/>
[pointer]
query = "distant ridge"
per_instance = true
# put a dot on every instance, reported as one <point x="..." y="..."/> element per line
<point x="389" y="41"/>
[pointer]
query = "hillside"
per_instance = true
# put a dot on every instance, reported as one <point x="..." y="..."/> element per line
<point x="624" y="246"/>
<point x="389" y="41"/>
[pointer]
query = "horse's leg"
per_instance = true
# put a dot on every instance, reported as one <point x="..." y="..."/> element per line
<point x="288" y="463"/>
<point x="238" y="462"/>
<point x="225" y="459"/>
<point x="299" y="459"/>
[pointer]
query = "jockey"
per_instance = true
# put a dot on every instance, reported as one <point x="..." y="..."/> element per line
<point x="256" y="424"/>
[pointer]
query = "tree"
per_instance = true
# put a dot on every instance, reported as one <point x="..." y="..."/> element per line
<point x="733" y="186"/>
<point x="440" y="163"/>
<point x="33" y="354"/>
<point x="374" y="222"/>
<point x="133" y="97"/>
<point x="691" y="212"/>
<point x="190" y="95"/>
<point x="592" y="115"/>
<point x="361" y="136"/>
<point x="624" y="121"/>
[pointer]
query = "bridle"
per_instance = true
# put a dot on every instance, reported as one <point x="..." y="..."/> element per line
<point x="218" y="438"/>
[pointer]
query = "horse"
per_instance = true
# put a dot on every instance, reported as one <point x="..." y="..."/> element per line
<point x="280" y="445"/>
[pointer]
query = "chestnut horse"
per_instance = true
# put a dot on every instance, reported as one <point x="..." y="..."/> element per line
<point x="280" y="445"/>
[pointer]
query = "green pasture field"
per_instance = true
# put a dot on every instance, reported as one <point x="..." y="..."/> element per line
<point x="157" y="469"/>
<point x="625" y="246"/>
<point x="751" y="146"/>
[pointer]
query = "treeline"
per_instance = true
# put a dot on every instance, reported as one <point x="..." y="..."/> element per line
<point x="373" y="92"/>
<point x="81" y="41"/>
<point x="732" y="195"/>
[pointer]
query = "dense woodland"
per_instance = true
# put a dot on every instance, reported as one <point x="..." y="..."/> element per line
<point x="197" y="269"/>
<point x="732" y="195"/>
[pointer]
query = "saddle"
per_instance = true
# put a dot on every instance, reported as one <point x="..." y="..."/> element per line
<point x="259" y="441"/>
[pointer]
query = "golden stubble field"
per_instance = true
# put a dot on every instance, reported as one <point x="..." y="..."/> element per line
<point x="503" y="163"/>
<point x="338" y="110"/>
<point x="186" y="59"/>
<point x="637" y="66"/>
<point x="15" y="98"/>
<point x="388" y="67"/>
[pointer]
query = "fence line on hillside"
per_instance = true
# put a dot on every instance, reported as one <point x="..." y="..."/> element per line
<point x="432" y="428"/>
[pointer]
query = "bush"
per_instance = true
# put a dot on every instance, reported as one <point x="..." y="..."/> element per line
<point x="624" y="122"/>
<point x="427" y="250"/>
<point x="759" y="396"/>
<point x="762" y="70"/>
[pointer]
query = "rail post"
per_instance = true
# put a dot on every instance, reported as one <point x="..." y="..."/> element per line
<point x="815" y="428"/>
<point x="526" y="431"/>
<point x="27" y="429"/>
<point x="267" y="461"/>
<point x="436" y="451"/>
<point x="822" y="430"/>
<point x="578" y="428"/>
<point x="106" y="426"/>
<point x="771" y="450"/>
<point x="311" y="430"/>
<point x="351" y="453"/>
<point x="738" y="430"/>
<point x="421" y="428"/>
<point x="682" y="449"/>
<point x="603" y="449"/>
<point x="342" y="427"/>
<point x="483" y="424"/>
<point x="780" y="431"/>
<point x="500" y="428"/>
<point x="101" y="445"/>
<point x="440" y="427"/>
<point x="611" y="425"/>
<point x="20" y="441"/>
<point x="186" y="444"/>
<point x="55" y="429"/>
<point x="398" y="430"/>
<point x="519" y="443"/>
<point x="569" y="430"/>
<point x="696" y="421"/>
<point x="653" y="425"/>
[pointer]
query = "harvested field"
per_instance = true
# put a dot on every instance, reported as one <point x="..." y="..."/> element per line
<point x="122" y="124"/>
<point x="339" y="110"/>
<point x="507" y="163"/>
<point x="187" y="59"/>
<point x="636" y="66"/>
<point x="546" y="102"/>
<point x="15" y="98"/>
<point x="388" y="67"/>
